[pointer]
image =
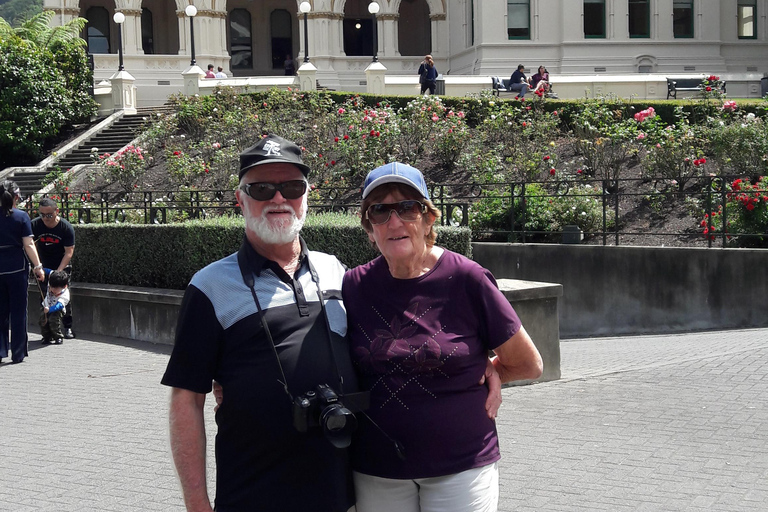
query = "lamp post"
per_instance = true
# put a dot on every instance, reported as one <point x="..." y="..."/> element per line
<point x="373" y="8"/>
<point x="119" y="18"/>
<point x="191" y="11"/>
<point x="305" y="8"/>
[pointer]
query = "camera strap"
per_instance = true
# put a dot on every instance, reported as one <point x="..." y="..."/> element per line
<point x="247" y="274"/>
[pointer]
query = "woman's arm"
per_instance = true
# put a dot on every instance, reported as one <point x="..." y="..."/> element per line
<point x="518" y="358"/>
<point x="29" y="247"/>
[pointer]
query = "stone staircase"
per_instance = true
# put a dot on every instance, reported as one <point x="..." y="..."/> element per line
<point x="109" y="140"/>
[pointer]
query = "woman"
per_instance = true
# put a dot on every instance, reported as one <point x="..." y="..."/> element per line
<point x="540" y="81"/>
<point x="421" y="320"/>
<point x="428" y="75"/>
<point x="15" y="239"/>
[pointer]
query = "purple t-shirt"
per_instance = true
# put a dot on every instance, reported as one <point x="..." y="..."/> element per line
<point x="420" y="346"/>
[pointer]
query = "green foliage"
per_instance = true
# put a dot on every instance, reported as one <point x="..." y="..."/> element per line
<point x="16" y="11"/>
<point x="740" y="146"/>
<point x="34" y="101"/>
<point x="117" y="253"/>
<point x="125" y="167"/>
<point x="745" y="212"/>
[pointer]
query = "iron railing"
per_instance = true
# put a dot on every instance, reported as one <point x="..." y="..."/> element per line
<point x="612" y="202"/>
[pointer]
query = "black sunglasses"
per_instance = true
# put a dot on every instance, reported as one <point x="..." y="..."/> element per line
<point x="408" y="211"/>
<point x="47" y="215"/>
<point x="293" y="189"/>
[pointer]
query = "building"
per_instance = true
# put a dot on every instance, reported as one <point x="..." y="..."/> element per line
<point x="465" y="37"/>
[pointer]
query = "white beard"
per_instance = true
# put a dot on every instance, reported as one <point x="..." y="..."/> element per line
<point x="281" y="231"/>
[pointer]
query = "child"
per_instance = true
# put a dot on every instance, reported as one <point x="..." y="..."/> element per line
<point x="53" y="307"/>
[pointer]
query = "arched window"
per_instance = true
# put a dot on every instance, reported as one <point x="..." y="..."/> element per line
<point x="240" y="43"/>
<point x="414" y="30"/>
<point x="147" y="32"/>
<point x="358" y="28"/>
<point x="98" y="30"/>
<point x="282" y="41"/>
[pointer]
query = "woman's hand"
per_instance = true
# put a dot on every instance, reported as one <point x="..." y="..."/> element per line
<point x="492" y="379"/>
<point x="218" y="395"/>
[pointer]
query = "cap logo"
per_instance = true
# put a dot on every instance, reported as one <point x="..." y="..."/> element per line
<point x="272" y="148"/>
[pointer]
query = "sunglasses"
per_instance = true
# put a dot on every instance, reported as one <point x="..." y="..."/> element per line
<point x="265" y="191"/>
<point x="408" y="211"/>
<point x="47" y="215"/>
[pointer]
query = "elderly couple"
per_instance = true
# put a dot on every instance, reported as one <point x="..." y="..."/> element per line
<point x="289" y="341"/>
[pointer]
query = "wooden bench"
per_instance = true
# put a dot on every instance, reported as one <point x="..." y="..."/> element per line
<point x="686" y="84"/>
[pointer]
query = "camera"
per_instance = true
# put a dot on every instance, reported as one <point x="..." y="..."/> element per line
<point x="323" y="408"/>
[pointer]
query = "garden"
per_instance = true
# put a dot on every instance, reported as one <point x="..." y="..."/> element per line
<point x="676" y="173"/>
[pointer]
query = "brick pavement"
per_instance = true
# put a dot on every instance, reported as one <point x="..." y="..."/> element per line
<point x="649" y="423"/>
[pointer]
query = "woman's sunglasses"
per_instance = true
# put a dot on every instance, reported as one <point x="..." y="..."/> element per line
<point x="265" y="191"/>
<point x="408" y="211"/>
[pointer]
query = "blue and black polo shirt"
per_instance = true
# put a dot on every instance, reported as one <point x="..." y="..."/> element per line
<point x="262" y="462"/>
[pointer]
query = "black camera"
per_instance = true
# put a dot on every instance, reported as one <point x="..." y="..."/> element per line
<point x="323" y="408"/>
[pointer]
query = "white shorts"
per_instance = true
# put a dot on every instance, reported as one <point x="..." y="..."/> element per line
<point x="474" y="490"/>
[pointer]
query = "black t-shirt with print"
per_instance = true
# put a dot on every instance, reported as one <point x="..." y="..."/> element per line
<point x="52" y="241"/>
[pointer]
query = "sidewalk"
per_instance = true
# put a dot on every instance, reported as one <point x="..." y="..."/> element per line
<point x="656" y="423"/>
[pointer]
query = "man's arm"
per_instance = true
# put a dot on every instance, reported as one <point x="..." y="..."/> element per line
<point x="68" y="252"/>
<point x="188" y="445"/>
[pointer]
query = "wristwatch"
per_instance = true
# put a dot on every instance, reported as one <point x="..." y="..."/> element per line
<point x="38" y="267"/>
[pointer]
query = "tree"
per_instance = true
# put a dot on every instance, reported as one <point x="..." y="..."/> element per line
<point x="16" y="11"/>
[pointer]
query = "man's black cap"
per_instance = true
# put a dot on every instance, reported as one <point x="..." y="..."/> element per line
<point x="270" y="150"/>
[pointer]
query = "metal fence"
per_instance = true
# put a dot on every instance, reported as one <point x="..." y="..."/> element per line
<point x="612" y="205"/>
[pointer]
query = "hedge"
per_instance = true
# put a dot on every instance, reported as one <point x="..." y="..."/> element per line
<point x="167" y="256"/>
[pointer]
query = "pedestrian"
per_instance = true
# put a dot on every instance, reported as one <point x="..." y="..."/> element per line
<point x="15" y="240"/>
<point x="210" y="73"/>
<point x="428" y="75"/>
<point x="55" y="302"/>
<point x="422" y="320"/>
<point x="267" y="323"/>
<point x="518" y="82"/>
<point x="55" y="241"/>
<point x="220" y="73"/>
<point x="289" y="65"/>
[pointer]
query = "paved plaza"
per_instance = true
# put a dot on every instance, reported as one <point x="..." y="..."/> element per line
<point x="647" y="423"/>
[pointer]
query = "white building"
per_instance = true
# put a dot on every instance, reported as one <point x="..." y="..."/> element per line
<point x="465" y="37"/>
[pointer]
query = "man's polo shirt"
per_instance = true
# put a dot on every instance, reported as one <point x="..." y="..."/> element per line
<point x="262" y="462"/>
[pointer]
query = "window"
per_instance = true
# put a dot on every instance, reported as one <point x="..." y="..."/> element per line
<point x="519" y="19"/>
<point x="594" y="18"/>
<point x="240" y="39"/>
<point x="639" y="18"/>
<point x="98" y="30"/>
<point x="682" y="18"/>
<point x="282" y="40"/>
<point x="746" y="16"/>
<point x="147" y="29"/>
<point x="471" y="22"/>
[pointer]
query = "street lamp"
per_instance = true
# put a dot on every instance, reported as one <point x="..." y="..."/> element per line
<point x="305" y="8"/>
<point x="191" y="11"/>
<point x="119" y="18"/>
<point x="373" y="8"/>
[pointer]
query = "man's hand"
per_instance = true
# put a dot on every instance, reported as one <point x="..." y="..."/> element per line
<point x="46" y="309"/>
<point x="492" y="379"/>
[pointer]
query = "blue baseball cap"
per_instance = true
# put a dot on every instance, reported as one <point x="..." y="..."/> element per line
<point x="395" y="172"/>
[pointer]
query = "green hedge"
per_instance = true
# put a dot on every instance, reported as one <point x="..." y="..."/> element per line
<point x="167" y="256"/>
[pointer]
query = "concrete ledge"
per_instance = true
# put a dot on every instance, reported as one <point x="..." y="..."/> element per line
<point x="536" y="304"/>
<point x="144" y="314"/>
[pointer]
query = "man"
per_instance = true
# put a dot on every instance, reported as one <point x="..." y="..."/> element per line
<point x="253" y="322"/>
<point x="55" y="240"/>
<point x="210" y="73"/>
<point x="220" y="73"/>
<point x="518" y="82"/>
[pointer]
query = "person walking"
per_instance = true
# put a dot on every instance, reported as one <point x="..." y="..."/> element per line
<point x="15" y="240"/>
<point x="428" y="75"/>
<point x="55" y="241"/>
<point x="268" y="325"/>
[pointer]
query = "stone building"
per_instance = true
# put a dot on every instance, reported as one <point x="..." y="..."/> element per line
<point x="465" y="37"/>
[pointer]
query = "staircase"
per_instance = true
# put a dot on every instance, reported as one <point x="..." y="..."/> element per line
<point x="109" y="140"/>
